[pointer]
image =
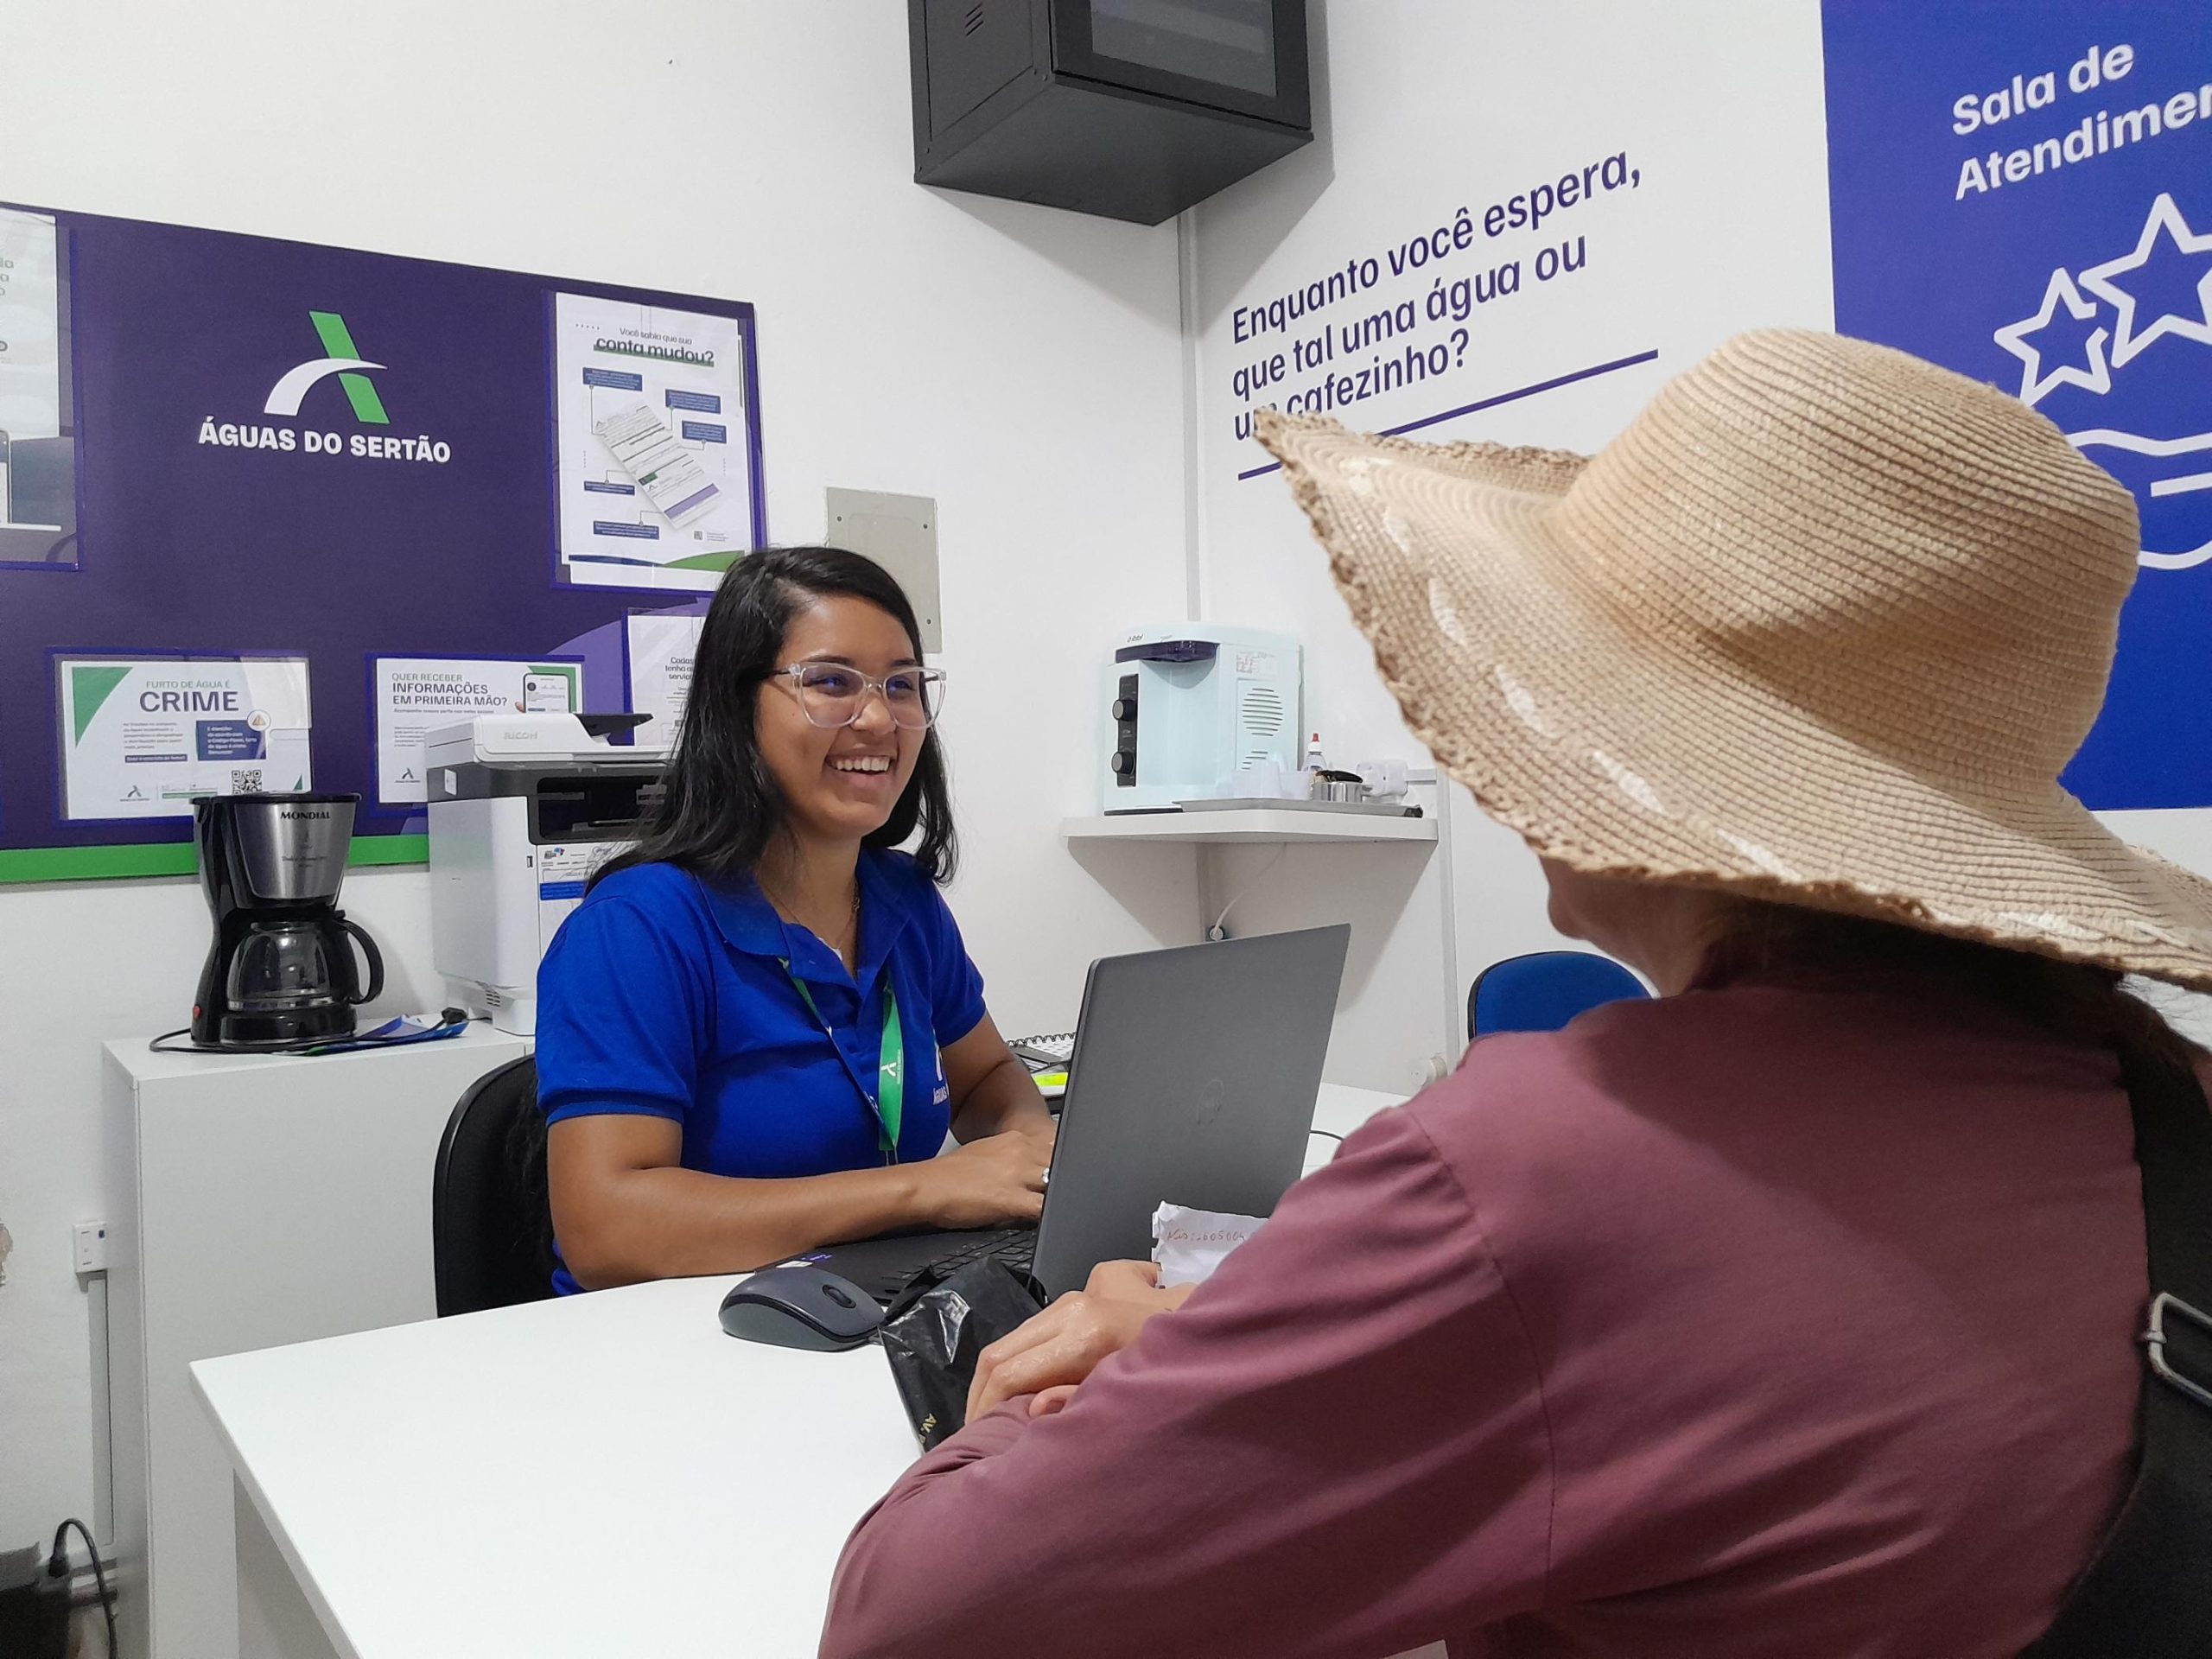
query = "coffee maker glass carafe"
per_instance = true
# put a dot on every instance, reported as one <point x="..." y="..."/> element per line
<point x="281" y="967"/>
<point x="281" y="970"/>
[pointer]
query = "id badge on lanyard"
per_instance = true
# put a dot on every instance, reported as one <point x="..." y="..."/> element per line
<point x="887" y="1103"/>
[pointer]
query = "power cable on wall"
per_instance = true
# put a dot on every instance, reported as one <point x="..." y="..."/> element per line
<point x="1220" y="931"/>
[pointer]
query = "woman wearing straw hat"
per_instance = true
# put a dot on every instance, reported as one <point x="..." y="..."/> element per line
<point x="1790" y="1312"/>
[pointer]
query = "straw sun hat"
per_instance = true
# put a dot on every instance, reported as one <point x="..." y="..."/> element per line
<point x="1822" y="625"/>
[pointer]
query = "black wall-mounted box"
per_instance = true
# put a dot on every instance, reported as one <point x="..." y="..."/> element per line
<point x="1128" y="109"/>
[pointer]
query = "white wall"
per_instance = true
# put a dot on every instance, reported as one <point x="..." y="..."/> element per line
<point x="1021" y="365"/>
<point x="1434" y="105"/>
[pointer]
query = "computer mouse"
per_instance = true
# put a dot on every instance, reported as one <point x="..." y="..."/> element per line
<point x="800" y="1306"/>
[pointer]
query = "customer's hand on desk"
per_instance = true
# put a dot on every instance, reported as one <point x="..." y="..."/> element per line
<point x="1052" y="1353"/>
<point x="995" y="1181"/>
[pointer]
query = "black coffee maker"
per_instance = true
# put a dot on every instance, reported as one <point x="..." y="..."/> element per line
<point x="281" y="970"/>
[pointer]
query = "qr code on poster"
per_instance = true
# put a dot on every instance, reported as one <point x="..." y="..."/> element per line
<point x="245" y="780"/>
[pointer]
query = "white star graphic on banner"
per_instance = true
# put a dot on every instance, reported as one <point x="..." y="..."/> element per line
<point x="2130" y="341"/>
<point x="2094" y="374"/>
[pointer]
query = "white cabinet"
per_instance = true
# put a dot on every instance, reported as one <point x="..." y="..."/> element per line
<point x="252" y="1201"/>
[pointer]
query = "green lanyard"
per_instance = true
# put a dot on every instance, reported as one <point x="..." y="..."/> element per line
<point x="887" y="1104"/>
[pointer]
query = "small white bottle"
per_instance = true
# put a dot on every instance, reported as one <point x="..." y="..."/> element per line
<point x="1310" y="773"/>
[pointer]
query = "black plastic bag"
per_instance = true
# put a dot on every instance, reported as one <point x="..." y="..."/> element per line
<point x="934" y="1331"/>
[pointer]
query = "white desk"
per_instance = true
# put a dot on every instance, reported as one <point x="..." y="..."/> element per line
<point x="598" y="1476"/>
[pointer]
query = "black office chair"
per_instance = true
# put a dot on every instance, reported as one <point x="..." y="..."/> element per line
<point x="491" y="1223"/>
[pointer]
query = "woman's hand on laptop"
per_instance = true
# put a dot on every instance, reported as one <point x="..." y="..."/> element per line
<point x="1052" y="1352"/>
<point x="1041" y="1132"/>
<point x="995" y="1181"/>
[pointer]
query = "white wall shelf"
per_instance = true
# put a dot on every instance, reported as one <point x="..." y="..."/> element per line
<point x="1253" y="826"/>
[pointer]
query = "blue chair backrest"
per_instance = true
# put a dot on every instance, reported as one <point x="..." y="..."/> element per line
<point x="1545" y="989"/>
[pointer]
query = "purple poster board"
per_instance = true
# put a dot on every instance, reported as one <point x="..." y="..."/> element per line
<point x="284" y="447"/>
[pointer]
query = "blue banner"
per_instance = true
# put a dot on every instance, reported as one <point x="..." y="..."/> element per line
<point x="2023" y="193"/>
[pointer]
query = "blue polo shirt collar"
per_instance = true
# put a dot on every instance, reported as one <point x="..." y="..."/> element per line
<point x="747" y="922"/>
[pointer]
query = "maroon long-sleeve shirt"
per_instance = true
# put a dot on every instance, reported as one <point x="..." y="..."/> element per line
<point x="1789" y="1319"/>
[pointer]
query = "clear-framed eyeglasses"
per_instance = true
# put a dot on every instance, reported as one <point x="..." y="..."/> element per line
<point x="832" y="694"/>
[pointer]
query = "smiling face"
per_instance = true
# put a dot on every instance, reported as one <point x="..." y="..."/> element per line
<point x="838" y="783"/>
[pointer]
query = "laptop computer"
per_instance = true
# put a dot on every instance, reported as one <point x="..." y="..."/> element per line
<point x="1192" y="1082"/>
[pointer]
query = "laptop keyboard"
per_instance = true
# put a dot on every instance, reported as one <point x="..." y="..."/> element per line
<point x="1015" y="1246"/>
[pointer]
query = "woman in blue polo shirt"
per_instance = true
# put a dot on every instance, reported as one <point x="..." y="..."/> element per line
<point x="755" y="1031"/>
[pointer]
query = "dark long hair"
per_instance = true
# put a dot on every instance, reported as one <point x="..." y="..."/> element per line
<point x="721" y="807"/>
<point x="2076" y="1001"/>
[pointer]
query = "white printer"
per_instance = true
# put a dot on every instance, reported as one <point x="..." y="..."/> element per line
<point x="524" y="808"/>
<point x="1187" y="708"/>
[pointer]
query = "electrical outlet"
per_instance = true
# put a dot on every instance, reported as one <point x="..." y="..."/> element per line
<point x="89" y="1239"/>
